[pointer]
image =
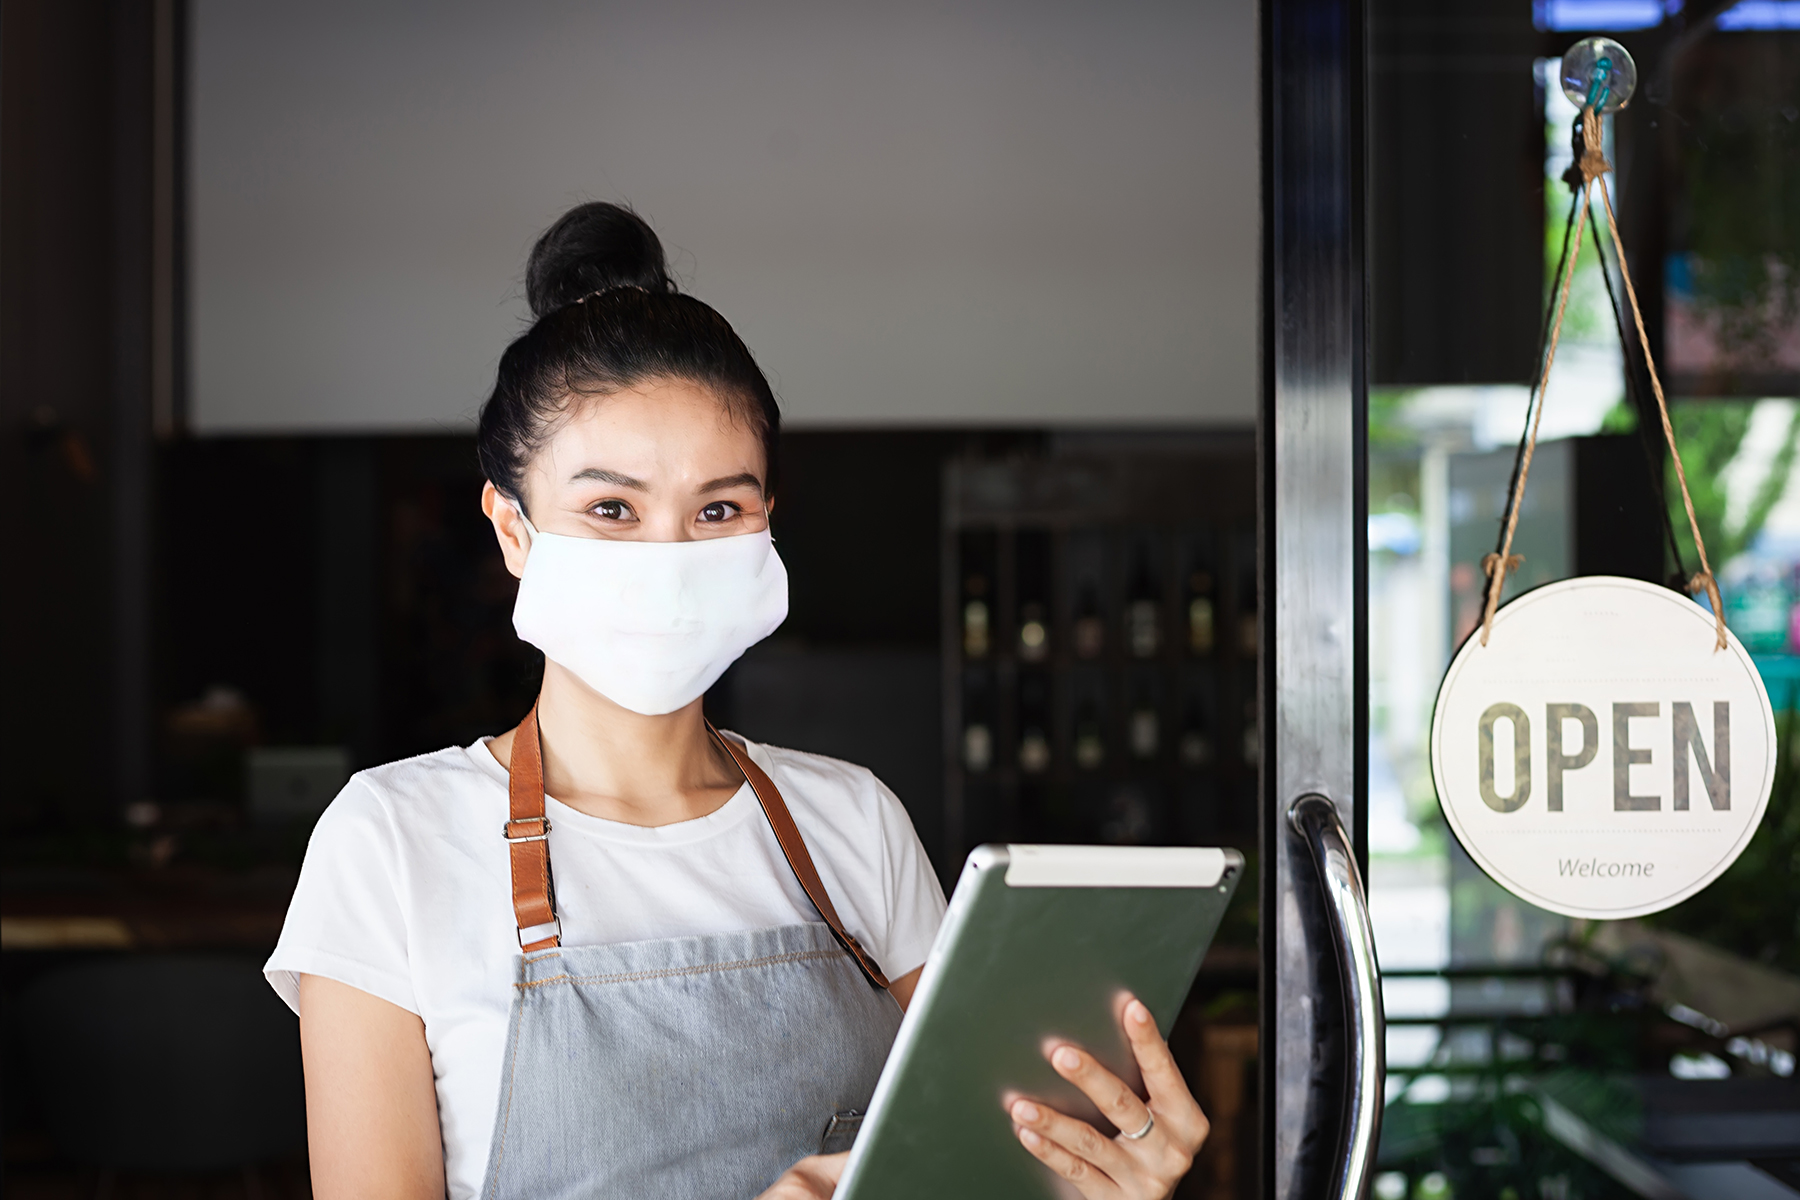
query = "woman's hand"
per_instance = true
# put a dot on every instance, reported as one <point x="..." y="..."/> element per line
<point x="812" y="1178"/>
<point x="1118" y="1168"/>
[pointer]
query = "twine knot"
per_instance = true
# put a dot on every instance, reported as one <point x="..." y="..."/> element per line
<point x="1490" y="562"/>
<point x="1592" y="158"/>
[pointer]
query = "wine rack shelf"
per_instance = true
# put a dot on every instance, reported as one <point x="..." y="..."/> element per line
<point x="1099" y="646"/>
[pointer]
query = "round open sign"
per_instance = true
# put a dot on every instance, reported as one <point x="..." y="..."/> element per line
<point x="1597" y="757"/>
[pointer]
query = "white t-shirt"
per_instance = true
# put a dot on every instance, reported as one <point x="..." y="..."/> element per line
<point x="406" y="894"/>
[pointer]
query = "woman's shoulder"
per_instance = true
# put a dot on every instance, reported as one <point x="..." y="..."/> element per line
<point x="424" y="788"/>
<point x="842" y="794"/>
<point x="816" y="774"/>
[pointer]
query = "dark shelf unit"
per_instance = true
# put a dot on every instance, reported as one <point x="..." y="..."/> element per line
<point x="1114" y="535"/>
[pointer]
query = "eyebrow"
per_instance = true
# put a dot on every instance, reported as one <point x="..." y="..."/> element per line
<point x="741" y="479"/>
<point x="601" y="475"/>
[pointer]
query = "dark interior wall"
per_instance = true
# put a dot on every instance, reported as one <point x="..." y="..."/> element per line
<point x="858" y="517"/>
<point x="1457" y="164"/>
<point x="349" y="589"/>
<point x="237" y="560"/>
<point x="74" y="228"/>
<point x="350" y="592"/>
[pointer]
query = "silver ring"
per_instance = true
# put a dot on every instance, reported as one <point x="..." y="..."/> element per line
<point x="1149" y="1124"/>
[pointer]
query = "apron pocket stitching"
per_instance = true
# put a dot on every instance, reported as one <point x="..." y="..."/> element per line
<point x="708" y="968"/>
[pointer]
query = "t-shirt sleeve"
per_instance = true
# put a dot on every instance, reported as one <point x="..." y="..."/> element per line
<point x="346" y="920"/>
<point x="915" y="899"/>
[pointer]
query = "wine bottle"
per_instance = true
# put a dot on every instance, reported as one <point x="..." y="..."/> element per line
<point x="978" y="747"/>
<point x="1144" y="728"/>
<point x="1033" y="575"/>
<point x="1090" y="628"/>
<point x="978" y="552"/>
<point x="1090" y="737"/>
<point x="1196" y="747"/>
<point x="1034" y="633"/>
<point x="975" y="616"/>
<point x="1143" y="627"/>
<point x="1034" y="723"/>
<point x="1200" y="611"/>
<point x="978" y="727"/>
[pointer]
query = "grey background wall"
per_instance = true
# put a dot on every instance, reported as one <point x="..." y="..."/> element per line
<point x="996" y="213"/>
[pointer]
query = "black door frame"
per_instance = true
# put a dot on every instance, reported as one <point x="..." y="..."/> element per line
<point x="1312" y="432"/>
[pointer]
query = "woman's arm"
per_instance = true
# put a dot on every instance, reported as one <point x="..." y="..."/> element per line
<point x="371" y="1101"/>
<point x="901" y="989"/>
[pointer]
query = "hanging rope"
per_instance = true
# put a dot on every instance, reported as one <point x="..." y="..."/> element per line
<point x="1592" y="164"/>
<point x="1543" y="344"/>
<point x="1704" y="579"/>
<point x="1639" y="402"/>
<point x="1498" y="565"/>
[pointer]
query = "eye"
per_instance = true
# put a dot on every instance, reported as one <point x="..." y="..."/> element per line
<point x="719" y="510"/>
<point x="613" y="510"/>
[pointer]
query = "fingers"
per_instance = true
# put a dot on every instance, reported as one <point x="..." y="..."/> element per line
<point x="1077" y="1137"/>
<point x="1116" y="1102"/>
<point x="812" y="1178"/>
<point x="1088" y="1179"/>
<point x="1124" y="1166"/>
<point x="1161" y="1076"/>
<point x="1173" y="1103"/>
<point x="826" y="1168"/>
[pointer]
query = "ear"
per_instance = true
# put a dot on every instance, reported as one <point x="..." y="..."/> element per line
<point x="509" y="528"/>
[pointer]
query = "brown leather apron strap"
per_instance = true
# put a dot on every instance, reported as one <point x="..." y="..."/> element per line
<point x="527" y="833"/>
<point x="799" y="859"/>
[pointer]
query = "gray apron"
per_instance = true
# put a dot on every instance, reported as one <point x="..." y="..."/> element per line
<point x="696" y="1068"/>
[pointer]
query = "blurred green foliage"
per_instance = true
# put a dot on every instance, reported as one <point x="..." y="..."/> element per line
<point x="1710" y="433"/>
<point x="1388" y="429"/>
<point x="1489" y="1138"/>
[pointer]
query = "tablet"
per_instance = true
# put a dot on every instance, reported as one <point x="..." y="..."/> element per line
<point x="1039" y="945"/>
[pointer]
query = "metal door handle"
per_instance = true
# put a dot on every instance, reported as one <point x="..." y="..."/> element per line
<point x="1315" y="819"/>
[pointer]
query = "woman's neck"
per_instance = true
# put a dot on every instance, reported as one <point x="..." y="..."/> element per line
<point x="610" y="762"/>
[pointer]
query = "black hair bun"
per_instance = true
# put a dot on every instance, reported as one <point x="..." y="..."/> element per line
<point x="594" y="246"/>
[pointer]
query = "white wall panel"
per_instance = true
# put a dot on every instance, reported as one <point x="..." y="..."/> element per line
<point x="1010" y="213"/>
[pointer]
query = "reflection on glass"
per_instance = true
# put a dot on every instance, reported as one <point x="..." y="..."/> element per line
<point x="1531" y="1055"/>
<point x="1519" y="1037"/>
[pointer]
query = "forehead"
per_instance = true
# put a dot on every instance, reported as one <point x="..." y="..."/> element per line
<point x="668" y="430"/>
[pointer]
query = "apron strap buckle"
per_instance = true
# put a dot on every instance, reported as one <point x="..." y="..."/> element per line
<point x="527" y="834"/>
<point x="542" y="835"/>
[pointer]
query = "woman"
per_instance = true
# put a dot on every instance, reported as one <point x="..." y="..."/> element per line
<point x="586" y="957"/>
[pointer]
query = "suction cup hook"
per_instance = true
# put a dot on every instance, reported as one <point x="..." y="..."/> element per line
<point x="1597" y="73"/>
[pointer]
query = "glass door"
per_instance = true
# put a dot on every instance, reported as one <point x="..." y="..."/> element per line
<point x="1321" y="1004"/>
<point x="1531" y="1055"/>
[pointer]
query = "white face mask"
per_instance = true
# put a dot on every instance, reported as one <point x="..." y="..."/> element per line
<point x="649" y="625"/>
